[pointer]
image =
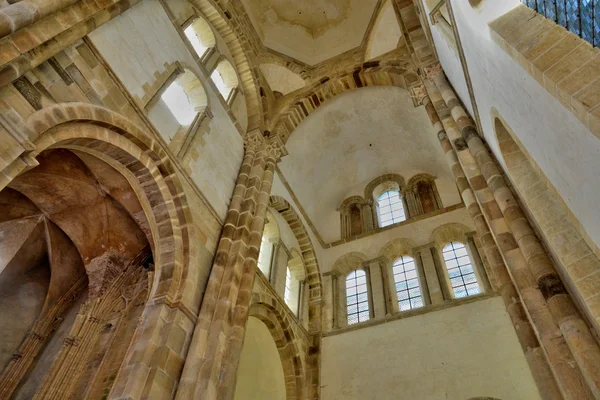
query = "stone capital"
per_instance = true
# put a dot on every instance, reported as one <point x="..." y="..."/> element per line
<point x="433" y="71"/>
<point x="418" y="93"/>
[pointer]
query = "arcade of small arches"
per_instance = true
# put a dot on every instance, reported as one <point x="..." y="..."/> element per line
<point x="240" y="200"/>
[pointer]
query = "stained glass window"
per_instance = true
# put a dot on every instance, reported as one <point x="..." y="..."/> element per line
<point x="406" y="280"/>
<point x="357" y="297"/>
<point x="460" y="270"/>
<point x="391" y="209"/>
<point x="582" y="17"/>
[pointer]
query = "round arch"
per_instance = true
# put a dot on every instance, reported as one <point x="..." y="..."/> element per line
<point x="313" y="273"/>
<point x="142" y="161"/>
<point x="372" y="74"/>
<point x="232" y="35"/>
<point x="266" y="308"/>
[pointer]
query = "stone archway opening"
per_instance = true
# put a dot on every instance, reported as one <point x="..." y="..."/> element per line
<point x="73" y="276"/>
<point x="261" y="373"/>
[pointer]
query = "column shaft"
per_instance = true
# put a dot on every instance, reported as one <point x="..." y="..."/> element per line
<point x="549" y="292"/>
<point x="211" y="366"/>
<point x="523" y="328"/>
<point x="436" y="294"/>
<point x="377" y="289"/>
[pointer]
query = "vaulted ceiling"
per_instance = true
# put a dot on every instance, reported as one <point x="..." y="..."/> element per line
<point x="311" y="31"/>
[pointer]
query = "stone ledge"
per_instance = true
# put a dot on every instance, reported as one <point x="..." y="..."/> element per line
<point x="567" y="66"/>
<point x="411" y="313"/>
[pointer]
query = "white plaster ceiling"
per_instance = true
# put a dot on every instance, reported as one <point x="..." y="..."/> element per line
<point x="281" y="79"/>
<point x="354" y="138"/>
<point x="310" y="31"/>
<point x="385" y="34"/>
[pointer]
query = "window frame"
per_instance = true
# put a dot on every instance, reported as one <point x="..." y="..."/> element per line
<point x="421" y="284"/>
<point x="210" y="50"/>
<point x="367" y="292"/>
<point x="390" y="205"/>
<point x="474" y="267"/>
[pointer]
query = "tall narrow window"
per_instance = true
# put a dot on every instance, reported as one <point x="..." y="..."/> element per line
<point x="357" y="297"/>
<point x="264" y="256"/>
<point x="287" y="293"/>
<point x="460" y="270"/>
<point x="391" y="209"/>
<point x="406" y="279"/>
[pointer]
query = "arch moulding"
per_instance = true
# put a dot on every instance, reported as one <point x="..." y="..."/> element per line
<point x="140" y="159"/>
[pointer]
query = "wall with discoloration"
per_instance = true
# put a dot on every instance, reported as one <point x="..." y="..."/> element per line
<point x="456" y="354"/>
<point x="260" y="375"/>
<point x="141" y="47"/>
<point x="353" y="139"/>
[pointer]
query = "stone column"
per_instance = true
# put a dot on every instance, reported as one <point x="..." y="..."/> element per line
<point x="376" y="287"/>
<point x="478" y="263"/>
<point x="367" y="217"/>
<point x="543" y="292"/>
<point x="436" y="295"/>
<point x="211" y="366"/>
<point x="334" y="301"/>
<point x="273" y="263"/>
<point x="412" y="204"/>
<point x="543" y="374"/>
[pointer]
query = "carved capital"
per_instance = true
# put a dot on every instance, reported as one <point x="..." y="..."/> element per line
<point x="418" y="94"/>
<point x="433" y="71"/>
<point x="254" y="140"/>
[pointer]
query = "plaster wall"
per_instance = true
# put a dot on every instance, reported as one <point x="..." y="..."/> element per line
<point x="355" y="138"/>
<point x="448" y="56"/>
<point x="279" y="189"/>
<point x="386" y="32"/>
<point x="565" y="150"/>
<point x="454" y="354"/>
<point x="419" y="232"/>
<point x="139" y="46"/>
<point x="260" y="373"/>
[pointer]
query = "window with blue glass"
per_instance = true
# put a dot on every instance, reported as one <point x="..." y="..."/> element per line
<point x="460" y="270"/>
<point x="582" y="17"/>
<point x="357" y="297"/>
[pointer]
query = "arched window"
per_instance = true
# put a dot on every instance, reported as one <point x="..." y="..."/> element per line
<point x="391" y="209"/>
<point x="225" y="78"/>
<point x="460" y="270"/>
<point x="357" y="297"/>
<point x="288" y="285"/>
<point x="265" y="255"/>
<point x="178" y="103"/>
<point x="406" y="279"/>
<point x="176" y="106"/>
<point x="200" y="35"/>
<point x="295" y="274"/>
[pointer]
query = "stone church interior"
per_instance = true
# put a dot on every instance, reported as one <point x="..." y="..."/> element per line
<point x="299" y="199"/>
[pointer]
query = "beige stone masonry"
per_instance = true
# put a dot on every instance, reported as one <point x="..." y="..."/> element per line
<point x="567" y="66"/>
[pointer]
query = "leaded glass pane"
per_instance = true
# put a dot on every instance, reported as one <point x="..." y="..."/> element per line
<point x="582" y="17"/>
<point x="391" y="209"/>
<point x="357" y="298"/>
<point x="460" y="270"/>
<point x="407" y="284"/>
